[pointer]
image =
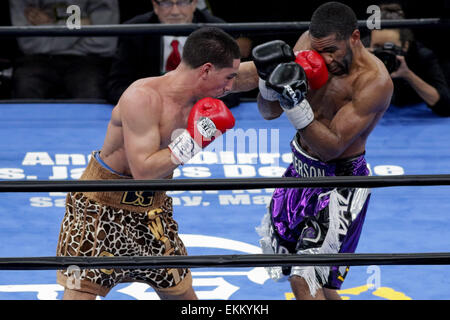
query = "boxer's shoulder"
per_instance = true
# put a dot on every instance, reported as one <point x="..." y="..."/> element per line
<point x="303" y="43"/>
<point x="373" y="78"/>
<point x="141" y="94"/>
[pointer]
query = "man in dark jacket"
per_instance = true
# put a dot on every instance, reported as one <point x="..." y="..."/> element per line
<point x="152" y="55"/>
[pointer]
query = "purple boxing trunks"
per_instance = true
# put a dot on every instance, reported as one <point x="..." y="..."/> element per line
<point x="315" y="220"/>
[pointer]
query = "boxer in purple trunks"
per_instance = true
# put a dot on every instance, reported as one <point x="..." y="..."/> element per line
<point x="334" y="113"/>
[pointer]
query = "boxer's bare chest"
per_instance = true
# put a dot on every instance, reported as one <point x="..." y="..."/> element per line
<point x="328" y="100"/>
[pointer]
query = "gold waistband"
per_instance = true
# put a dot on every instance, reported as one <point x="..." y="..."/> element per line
<point x="139" y="201"/>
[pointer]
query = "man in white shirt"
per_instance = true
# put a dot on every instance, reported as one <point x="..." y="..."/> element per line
<point x="139" y="57"/>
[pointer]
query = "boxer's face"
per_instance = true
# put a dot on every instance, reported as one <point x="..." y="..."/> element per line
<point x="223" y="79"/>
<point x="174" y="11"/>
<point x="337" y="54"/>
<point x="219" y="81"/>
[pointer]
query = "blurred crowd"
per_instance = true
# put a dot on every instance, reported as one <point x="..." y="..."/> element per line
<point x="101" y="68"/>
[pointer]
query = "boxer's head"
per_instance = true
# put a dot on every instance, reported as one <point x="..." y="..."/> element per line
<point x="333" y="31"/>
<point x="216" y="55"/>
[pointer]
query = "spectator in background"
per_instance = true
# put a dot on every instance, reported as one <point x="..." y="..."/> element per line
<point x="418" y="77"/>
<point x="62" y="67"/>
<point x="445" y="59"/>
<point x="149" y="55"/>
<point x="7" y="54"/>
<point x="245" y="43"/>
<point x="203" y="5"/>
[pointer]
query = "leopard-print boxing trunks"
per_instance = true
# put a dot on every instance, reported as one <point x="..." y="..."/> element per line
<point x="120" y="224"/>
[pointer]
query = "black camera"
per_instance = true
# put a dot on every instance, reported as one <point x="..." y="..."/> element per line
<point x="388" y="54"/>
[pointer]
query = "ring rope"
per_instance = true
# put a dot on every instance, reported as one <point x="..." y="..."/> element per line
<point x="186" y="29"/>
<point x="250" y="260"/>
<point x="224" y="184"/>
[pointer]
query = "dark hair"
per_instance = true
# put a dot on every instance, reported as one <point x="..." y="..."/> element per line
<point x="209" y="44"/>
<point x="395" y="12"/>
<point x="392" y="11"/>
<point x="333" y="18"/>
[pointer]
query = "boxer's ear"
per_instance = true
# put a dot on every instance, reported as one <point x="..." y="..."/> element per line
<point x="355" y="37"/>
<point x="205" y="70"/>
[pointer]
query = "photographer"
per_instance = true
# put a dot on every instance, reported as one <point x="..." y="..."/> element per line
<point x="415" y="69"/>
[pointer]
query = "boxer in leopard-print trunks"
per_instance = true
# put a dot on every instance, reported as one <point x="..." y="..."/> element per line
<point x="120" y="224"/>
<point x="158" y="124"/>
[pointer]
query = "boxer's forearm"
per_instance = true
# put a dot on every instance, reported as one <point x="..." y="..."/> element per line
<point x="303" y="43"/>
<point x="247" y="78"/>
<point x="322" y="141"/>
<point x="159" y="165"/>
<point x="269" y="109"/>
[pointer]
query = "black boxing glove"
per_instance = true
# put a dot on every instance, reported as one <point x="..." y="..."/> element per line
<point x="290" y="82"/>
<point x="268" y="55"/>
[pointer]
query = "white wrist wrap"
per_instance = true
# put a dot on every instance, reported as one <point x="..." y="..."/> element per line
<point x="300" y="115"/>
<point x="267" y="93"/>
<point x="183" y="148"/>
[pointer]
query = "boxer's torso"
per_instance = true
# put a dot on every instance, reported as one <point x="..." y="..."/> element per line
<point x="172" y="116"/>
<point x="338" y="92"/>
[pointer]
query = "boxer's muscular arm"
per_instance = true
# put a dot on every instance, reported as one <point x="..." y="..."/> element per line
<point x="141" y="114"/>
<point x="269" y="109"/>
<point x="246" y="79"/>
<point x="303" y="43"/>
<point x="352" y="121"/>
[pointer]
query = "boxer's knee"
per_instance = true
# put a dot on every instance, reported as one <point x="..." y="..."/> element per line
<point x="301" y="289"/>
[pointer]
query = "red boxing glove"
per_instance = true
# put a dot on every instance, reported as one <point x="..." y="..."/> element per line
<point x="314" y="66"/>
<point x="208" y="119"/>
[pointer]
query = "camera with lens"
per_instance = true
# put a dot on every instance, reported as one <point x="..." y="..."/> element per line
<point x="388" y="55"/>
